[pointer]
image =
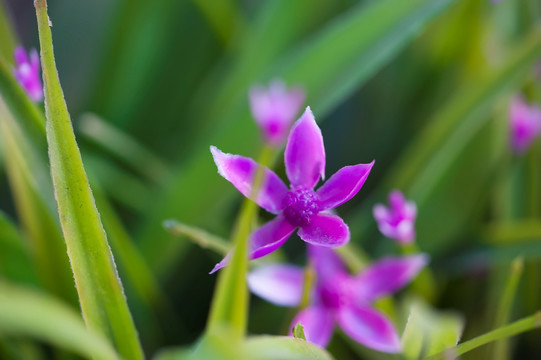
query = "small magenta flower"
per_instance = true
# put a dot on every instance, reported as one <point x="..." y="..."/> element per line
<point x="299" y="207"/>
<point x="27" y="73"/>
<point x="398" y="221"/>
<point x="525" y="124"/>
<point x="274" y="109"/>
<point x="338" y="297"/>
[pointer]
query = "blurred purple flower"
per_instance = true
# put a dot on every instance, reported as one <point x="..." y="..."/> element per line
<point x="274" y="109"/>
<point x="398" y="221"/>
<point x="27" y="73"/>
<point x="338" y="297"/>
<point x="300" y="206"/>
<point x="525" y="123"/>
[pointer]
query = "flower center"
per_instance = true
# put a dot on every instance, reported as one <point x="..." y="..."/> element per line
<point x="336" y="293"/>
<point x="300" y="206"/>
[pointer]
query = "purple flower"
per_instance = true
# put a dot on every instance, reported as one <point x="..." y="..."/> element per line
<point x="274" y="109"/>
<point x="525" y="123"/>
<point x="300" y="206"/>
<point x="398" y="221"/>
<point x="27" y="73"/>
<point x="338" y="297"/>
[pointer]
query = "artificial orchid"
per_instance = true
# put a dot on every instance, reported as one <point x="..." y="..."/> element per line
<point x="398" y="220"/>
<point x="27" y="73"/>
<point x="299" y="207"/>
<point x="525" y="124"/>
<point x="338" y="297"/>
<point x="274" y="109"/>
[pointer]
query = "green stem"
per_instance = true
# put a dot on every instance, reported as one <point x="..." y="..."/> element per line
<point x="230" y="303"/>
<point x="501" y="348"/>
<point x="201" y="237"/>
<point x="102" y="299"/>
<point x="529" y="323"/>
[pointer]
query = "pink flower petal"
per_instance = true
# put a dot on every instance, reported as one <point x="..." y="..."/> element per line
<point x="279" y="284"/>
<point x="264" y="240"/>
<point x="343" y="185"/>
<point x="240" y="170"/>
<point x="305" y="153"/>
<point x="318" y="324"/>
<point x="270" y="237"/>
<point x="20" y="56"/>
<point x="325" y="230"/>
<point x="369" y="328"/>
<point x="388" y="275"/>
<point x="326" y="262"/>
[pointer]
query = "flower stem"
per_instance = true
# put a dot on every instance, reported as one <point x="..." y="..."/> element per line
<point x="519" y="326"/>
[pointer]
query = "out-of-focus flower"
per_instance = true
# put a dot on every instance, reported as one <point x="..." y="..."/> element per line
<point x="274" y="109"/>
<point x="27" y="73"/>
<point x="300" y="206"/>
<point x="398" y="221"/>
<point x="338" y="297"/>
<point x="525" y="124"/>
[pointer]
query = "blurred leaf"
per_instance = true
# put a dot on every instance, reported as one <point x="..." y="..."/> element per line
<point x="429" y="331"/>
<point x="282" y="348"/>
<point x="25" y="312"/>
<point x="7" y="37"/>
<point x="123" y="147"/>
<point x="15" y="260"/>
<point x="513" y="232"/>
<point x="447" y="142"/>
<point x="31" y="186"/>
<point x="102" y="300"/>
<point x="331" y="66"/>
<point x="223" y="16"/>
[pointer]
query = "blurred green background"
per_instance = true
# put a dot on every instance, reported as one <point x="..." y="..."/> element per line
<point x="421" y="86"/>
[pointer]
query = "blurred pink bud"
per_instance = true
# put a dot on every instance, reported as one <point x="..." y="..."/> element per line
<point x="525" y="124"/>
<point x="27" y="73"/>
<point x="398" y="220"/>
<point x="274" y="109"/>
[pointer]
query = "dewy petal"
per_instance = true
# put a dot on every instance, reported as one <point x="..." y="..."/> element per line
<point x="388" y="276"/>
<point x="343" y="185"/>
<point x="369" y="328"/>
<point x="318" y="324"/>
<point x="305" y="154"/>
<point x="325" y="230"/>
<point x="280" y="284"/>
<point x="264" y="240"/>
<point x="326" y="262"/>
<point x="270" y="237"/>
<point x="240" y="171"/>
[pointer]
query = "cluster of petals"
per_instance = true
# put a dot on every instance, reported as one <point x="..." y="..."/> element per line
<point x="275" y="108"/>
<point x="27" y="73"/>
<point x="525" y="124"/>
<point x="300" y="206"/>
<point x="338" y="297"/>
<point x="398" y="220"/>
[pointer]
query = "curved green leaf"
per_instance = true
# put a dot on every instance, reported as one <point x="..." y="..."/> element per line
<point x="26" y="312"/>
<point x="100" y="291"/>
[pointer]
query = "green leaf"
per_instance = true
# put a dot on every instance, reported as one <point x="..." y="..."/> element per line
<point x="26" y="312"/>
<point x="330" y="66"/>
<point x="298" y="332"/>
<point x="102" y="299"/>
<point x="201" y="237"/>
<point x="429" y="331"/>
<point x="515" y="328"/>
<point x="7" y="36"/>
